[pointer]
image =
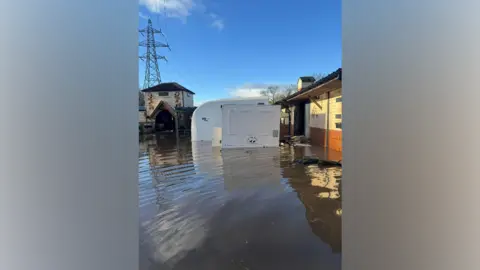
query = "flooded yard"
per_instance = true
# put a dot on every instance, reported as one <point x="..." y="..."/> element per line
<point x="202" y="208"/>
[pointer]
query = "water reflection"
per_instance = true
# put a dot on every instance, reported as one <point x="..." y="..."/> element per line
<point x="319" y="192"/>
<point x="203" y="208"/>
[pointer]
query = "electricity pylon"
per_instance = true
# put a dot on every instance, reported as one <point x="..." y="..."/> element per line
<point x="152" y="73"/>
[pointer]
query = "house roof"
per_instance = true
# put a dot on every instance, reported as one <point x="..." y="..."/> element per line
<point x="167" y="87"/>
<point x="336" y="75"/>
<point x="307" y="79"/>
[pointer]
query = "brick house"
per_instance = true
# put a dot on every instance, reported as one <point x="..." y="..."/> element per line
<point x="164" y="101"/>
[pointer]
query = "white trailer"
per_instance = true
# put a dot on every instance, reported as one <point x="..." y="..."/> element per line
<point x="250" y="126"/>
<point x="209" y="116"/>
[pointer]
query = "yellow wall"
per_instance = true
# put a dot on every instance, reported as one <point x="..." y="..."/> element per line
<point x="318" y="116"/>
<point x="284" y="117"/>
<point x="335" y="109"/>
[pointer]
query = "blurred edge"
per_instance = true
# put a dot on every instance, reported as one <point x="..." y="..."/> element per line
<point x="411" y="135"/>
<point x="69" y="139"/>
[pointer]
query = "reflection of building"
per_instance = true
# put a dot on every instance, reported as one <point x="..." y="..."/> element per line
<point x="167" y="232"/>
<point x="319" y="193"/>
<point x="327" y="178"/>
<point x="315" y="111"/>
<point x="143" y="147"/>
<point x="167" y="152"/>
<point x="163" y="101"/>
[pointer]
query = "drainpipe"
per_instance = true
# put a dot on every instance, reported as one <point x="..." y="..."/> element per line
<point x="328" y="123"/>
<point x="177" y="135"/>
<point x="183" y="105"/>
<point x="289" y="121"/>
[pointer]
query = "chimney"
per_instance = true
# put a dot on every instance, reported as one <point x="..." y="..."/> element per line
<point x="304" y="82"/>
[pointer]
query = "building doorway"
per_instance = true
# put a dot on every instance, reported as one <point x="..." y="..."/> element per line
<point x="299" y="121"/>
<point x="164" y="121"/>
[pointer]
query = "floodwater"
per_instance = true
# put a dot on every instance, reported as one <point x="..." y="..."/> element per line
<point x="202" y="208"/>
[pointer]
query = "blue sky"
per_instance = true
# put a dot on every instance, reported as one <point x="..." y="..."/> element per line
<point x="225" y="48"/>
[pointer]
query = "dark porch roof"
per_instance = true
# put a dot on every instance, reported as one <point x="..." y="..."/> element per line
<point x="185" y="109"/>
<point x="167" y="87"/>
<point x="336" y="75"/>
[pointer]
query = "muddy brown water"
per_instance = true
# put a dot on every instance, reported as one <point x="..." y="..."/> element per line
<point x="202" y="208"/>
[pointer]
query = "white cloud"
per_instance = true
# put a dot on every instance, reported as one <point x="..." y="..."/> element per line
<point x="249" y="90"/>
<point x="255" y="89"/>
<point x="199" y="102"/>
<point x="244" y="92"/>
<point x="143" y="16"/>
<point x="180" y="9"/>
<point x="171" y="8"/>
<point x="217" y="22"/>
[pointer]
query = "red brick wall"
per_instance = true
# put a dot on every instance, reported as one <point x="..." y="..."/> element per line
<point x="335" y="140"/>
<point x="318" y="138"/>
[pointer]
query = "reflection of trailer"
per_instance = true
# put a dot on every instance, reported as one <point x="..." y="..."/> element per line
<point x="209" y="115"/>
<point x="252" y="169"/>
<point x="240" y="169"/>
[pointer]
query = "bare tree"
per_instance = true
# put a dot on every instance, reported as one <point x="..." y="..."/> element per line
<point x="318" y="76"/>
<point x="290" y="89"/>
<point x="276" y="93"/>
<point x="273" y="93"/>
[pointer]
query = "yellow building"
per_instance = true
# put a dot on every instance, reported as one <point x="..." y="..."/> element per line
<point x="315" y="111"/>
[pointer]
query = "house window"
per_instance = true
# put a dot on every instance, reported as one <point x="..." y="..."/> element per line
<point x="339" y="99"/>
<point x="338" y="125"/>
<point x="188" y="95"/>
<point x="338" y="116"/>
<point x="162" y="94"/>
